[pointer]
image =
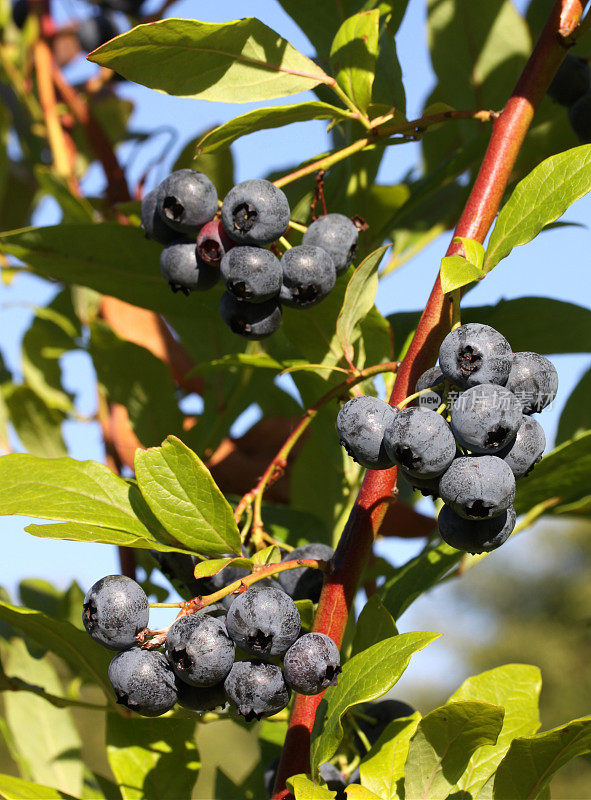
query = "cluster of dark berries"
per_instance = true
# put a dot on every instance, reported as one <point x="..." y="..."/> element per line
<point x="571" y="87"/>
<point x="199" y="669"/>
<point x="469" y="451"/>
<point x="200" y="247"/>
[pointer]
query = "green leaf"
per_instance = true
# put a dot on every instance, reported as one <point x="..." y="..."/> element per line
<point x="230" y="62"/>
<point x="88" y="532"/>
<point x="375" y="623"/>
<point x="356" y="792"/>
<point x="457" y="271"/>
<point x="211" y="566"/>
<point x="264" y="118"/>
<point x="269" y="555"/>
<point x="382" y="769"/>
<point x="306" y="611"/>
<point x="563" y="474"/>
<point x="75" y="646"/>
<point x="473" y="250"/>
<point x="12" y="788"/>
<point x="443" y="743"/>
<point x="531" y="762"/>
<point x="359" y="299"/>
<point x="540" y="198"/>
<point x="305" y="789"/>
<point x="416" y="576"/>
<point x="353" y="56"/>
<point x="576" y="414"/>
<point x="152" y="759"/>
<point x="183" y="496"/>
<point x="38" y="427"/>
<point x="53" y="754"/>
<point x="367" y="675"/>
<point x="74" y="208"/>
<point x="515" y="687"/>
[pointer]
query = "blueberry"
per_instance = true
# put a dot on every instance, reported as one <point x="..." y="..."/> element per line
<point x="428" y="487"/>
<point x="477" y="487"/>
<point x="199" y="649"/>
<point x="251" y="320"/>
<point x="526" y="451"/>
<point x="377" y="716"/>
<point x="432" y="377"/>
<point x="264" y="621"/>
<point x="255" y="212"/>
<point x="178" y="568"/>
<point x="486" y="418"/>
<point x="420" y="442"/>
<point x="337" y="235"/>
<point x="361" y="425"/>
<point x="115" y="610"/>
<point x="534" y="380"/>
<point x="143" y="682"/>
<point x="305" y="583"/>
<point x="579" y="115"/>
<point x="572" y="80"/>
<point x="153" y="224"/>
<point x="184" y="271"/>
<point x="20" y="12"/>
<point x="199" y="699"/>
<point x="312" y="664"/>
<point x="475" y="536"/>
<point x="475" y="353"/>
<point x="94" y="31"/>
<point x="251" y="274"/>
<point x="308" y="276"/>
<point x="186" y="200"/>
<point x="256" y="689"/>
<point x="213" y="242"/>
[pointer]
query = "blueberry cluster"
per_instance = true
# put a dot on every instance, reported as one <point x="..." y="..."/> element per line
<point x="571" y="87"/>
<point x="468" y="439"/>
<point x="215" y="655"/>
<point x="200" y="246"/>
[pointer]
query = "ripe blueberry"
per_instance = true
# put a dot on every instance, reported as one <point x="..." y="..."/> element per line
<point x="380" y="715"/>
<point x="420" y="442"/>
<point x="179" y="569"/>
<point x="251" y="320"/>
<point x="256" y="689"/>
<point x="20" y="12"/>
<point x="308" y="276"/>
<point x="213" y="242"/>
<point x="312" y="664"/>
<point x="184" y="271"/>
<point x="361" y="425"/>
<point x="143" y="682"/>
<point x="186" y="200"/>
<point x="432" y="377"/>
<point x="199" y="649"/>
<point x="337" y="235"/>
<point x="305" y="583"/>
<point x="486" y="418"/>
<point x="428" y="487"/>
<point x="153" y="224"/>
<point x="579" y="115"/>
<point x="251" y="274"/>
<point x="264" y="621"/>
<point x="478" y="487"/>
<point x="572" y="80"/>
<point x="126" y="6"/>
<point x="526" y="451"/>
<point x="475" y="353"/>
<point x="255" y="212"/>
<point x="534" y="380"/>
<point x="475" y="536"/>
<point x="195" y="698"/>
<point x="94" y="31"/>
<point x="115" y="610"/>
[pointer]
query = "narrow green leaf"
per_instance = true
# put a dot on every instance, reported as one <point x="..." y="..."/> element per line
<point x="219" y="166"/>
<point x="473" y="250"/>
<point x="265" y="118"/>
<point x="576" y="414"/>
<point x="12" y="788"/>
<point x="367" y="675"/>
<point x="38" y="426"/>
<point x="229" y="62"/>
<point x="353" y="56"/>
<point x="382" y="769"/>
<point x="152" y="759"/>
<point x="375" y="623"/>
<point x="515" y="687"/>
<point x="531" y="762"/>
<point x="183" y="496"/>
<point x="359" y="299"/>
<point x="88" y="532"/>
<point x="211" y="566"/>
<point x="540" y="198"/>
<point x="246" y="361"/>
<point x="305" y="789"/>
<point x="456" y="271"/>
<point x="269" y="555"/>
<point x="443" y="743"/>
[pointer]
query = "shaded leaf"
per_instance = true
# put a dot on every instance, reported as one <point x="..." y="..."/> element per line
<point x="219" y="166"/>
<point x="353" y="56"/>
<point x="576" y="414"/>
<point x="382" y="769"/>
<point x="88" y="532"/>
<point x="12" y="788"/>
<point x="374" y="624"/>
<point x="38" y="427"/>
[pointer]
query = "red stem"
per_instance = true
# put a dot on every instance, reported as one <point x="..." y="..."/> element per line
<point x="376" y="491"/>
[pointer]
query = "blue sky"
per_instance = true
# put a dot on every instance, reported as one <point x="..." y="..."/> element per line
<point x="553" y="265"/>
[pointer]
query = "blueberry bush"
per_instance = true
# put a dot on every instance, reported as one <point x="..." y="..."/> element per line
<point x="260" y="547"/>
